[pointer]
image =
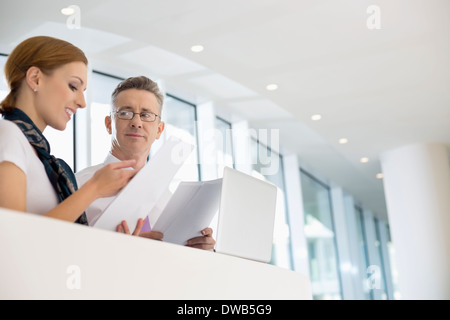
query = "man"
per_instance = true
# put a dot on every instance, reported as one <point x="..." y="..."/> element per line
<point x="134" y="124"/>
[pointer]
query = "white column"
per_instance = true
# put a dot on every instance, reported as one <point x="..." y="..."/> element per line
<point x="417" y="189"/>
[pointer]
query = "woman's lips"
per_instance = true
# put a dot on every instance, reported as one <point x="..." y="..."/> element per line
<point x="69" y="112"/>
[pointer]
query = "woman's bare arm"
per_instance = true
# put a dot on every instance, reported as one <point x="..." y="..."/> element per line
<point x="106" y="182"/>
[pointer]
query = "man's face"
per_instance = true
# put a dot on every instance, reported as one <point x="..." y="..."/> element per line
<point x="131" y="137"/>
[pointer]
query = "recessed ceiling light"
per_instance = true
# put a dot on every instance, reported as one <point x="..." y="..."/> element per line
<point x="316" y="117"/>
<point x="364" y="160"/>
<point x="343" y="140"/>
<point x="272" y="87"/>
<point x="68" y="11"/>
<point x="379" y="176"/>
<point x="197" y="48"/>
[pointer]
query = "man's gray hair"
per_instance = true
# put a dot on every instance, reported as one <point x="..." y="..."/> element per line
<point x="139" y="83"/>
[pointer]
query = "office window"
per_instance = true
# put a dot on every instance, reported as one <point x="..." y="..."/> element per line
<point x="321" y="239"/>
<point x="62" y="143"/>
<point x="3" y="85"/>
<point x="379" y="246"/>
<point x="362" y="252"/>
<point x="281" y="249"/>
<point x="224" y="146"/>
<point x="102" y="87"/>
<point x="393" y="266"/>
<point x="180" y="121"/>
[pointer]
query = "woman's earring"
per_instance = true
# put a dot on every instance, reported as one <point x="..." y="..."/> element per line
<point x="35" y="90"/>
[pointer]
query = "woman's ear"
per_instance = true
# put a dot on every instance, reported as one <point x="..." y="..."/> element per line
<point x="33" y="78"/>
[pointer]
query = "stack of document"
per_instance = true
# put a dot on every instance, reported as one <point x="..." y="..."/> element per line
<point x="190" y="210"/>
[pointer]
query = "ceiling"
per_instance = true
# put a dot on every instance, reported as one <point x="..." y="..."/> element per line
<point x="379" y="88"/>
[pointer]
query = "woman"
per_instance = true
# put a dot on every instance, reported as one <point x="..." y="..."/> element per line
<point x="47" y="78"/>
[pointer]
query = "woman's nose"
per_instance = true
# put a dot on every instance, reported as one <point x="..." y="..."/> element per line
<point x="81" y="101"/>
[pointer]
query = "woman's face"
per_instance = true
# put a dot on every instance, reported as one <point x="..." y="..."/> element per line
<point x="60" y="94"/>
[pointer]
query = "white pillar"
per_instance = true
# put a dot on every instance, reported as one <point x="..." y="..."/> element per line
<point x="417" y="190"/>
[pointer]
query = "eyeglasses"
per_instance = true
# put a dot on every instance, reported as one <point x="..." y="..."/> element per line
<point x="129" y="115"/>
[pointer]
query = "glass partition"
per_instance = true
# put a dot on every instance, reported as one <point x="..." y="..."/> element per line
<point x="180" y="121"/>
<point x="321" y="239"/>
<point x="225" y="156"/>
<point x="281" y="249"/>
<point x="362" y="252"/>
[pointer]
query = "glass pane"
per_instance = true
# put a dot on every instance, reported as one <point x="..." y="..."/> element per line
<point x="321" y="239"/>
<point x="101" y="87"/>
<point x="3" y="85"/>
<point x="362" y="250"/>
<point x="224" y="146"/>
<point x="379" y="247"/>
<point x="179" y="118"/>
<point x="281" y="248"/>
<point x="394" y="271"/>
<point x="3" y="94"/>
<point x="61" y="143"/>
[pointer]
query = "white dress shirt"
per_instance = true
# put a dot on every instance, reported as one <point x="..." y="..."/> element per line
<point x="97" y="207"/>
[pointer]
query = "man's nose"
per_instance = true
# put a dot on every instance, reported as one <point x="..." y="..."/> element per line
<point x="136" y="122"/>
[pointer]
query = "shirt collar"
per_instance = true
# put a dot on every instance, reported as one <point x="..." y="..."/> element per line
<point x="110" y="159"/>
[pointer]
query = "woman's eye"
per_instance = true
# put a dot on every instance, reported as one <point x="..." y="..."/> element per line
<point x="72" y="87"/>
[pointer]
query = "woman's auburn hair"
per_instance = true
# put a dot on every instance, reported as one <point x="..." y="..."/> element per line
<point x="43" y="52"/>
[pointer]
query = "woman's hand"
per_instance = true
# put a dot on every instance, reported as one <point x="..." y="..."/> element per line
<point x="112" y="178"/>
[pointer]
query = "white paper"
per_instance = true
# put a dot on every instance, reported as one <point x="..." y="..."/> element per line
<point x="190" y="210"/>
<point x="141" y="194"/>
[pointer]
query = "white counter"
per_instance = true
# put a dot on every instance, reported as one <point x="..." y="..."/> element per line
<point x="44" y="258"/>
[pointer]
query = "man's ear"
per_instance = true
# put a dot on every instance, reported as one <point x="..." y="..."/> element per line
<point x="108" y="124"/>
<point x="160" y="129"/>
<point x="33" y="77"/>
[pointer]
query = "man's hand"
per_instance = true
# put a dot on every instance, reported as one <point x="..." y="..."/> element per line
<point x="205" y="242"/>
<point x="123" y="228"/>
